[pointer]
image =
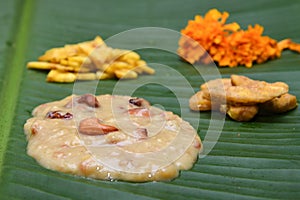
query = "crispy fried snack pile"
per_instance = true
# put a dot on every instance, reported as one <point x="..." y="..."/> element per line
<point x="90" y="60"/>
<point x="242" y="98"/>
<point x="209" y="38"/>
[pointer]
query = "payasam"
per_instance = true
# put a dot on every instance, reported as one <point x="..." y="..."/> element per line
<point x="111" y="137"/>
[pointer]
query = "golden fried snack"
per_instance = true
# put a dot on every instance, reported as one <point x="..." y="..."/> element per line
<point x="242" y="98"/>
<point x="252" y="95"/>
<point x="244" y="91"/>
<point x="240" y="113"/>
<point x="280" y="104"/>
<point x="201" y="101"/>
<point x="90" y="60"/>
<point x="61" y="76"/>
<point x="216" y="84"/>
<point x="55" y="55"/>
<point x="238" y="80"/>
<point x="198" y="103"/>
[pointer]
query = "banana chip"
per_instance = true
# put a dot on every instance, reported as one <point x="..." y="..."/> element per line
<point x="90" y="60"/>
<point x="61" y="76"/>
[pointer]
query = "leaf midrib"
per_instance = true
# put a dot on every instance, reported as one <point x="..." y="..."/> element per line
<point x="14" y="68"/>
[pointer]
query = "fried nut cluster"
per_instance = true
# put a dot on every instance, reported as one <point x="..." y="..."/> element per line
<point x="242" y="98"/>
<point x="90" y="60"/>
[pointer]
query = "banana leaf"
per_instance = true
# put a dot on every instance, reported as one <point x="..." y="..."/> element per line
<point x="250" y="160"/>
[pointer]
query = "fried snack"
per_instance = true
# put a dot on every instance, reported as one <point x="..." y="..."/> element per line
<point x="238" y="80"/>
<point x="242" y="98"/>
<point x="90" y="60"/>
<point x="252" y="95"/>
<point x="240" y="113"/>
<point x="198" y="103"/>
<point x="209" y="38"/>
<point x="280" y="104"/>
<point x="244" y="91"/>
<point x="216" y="84"/>
<point x="61" y="76"/>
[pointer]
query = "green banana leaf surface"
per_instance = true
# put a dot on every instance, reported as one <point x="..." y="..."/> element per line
<point x="250" y="160"/>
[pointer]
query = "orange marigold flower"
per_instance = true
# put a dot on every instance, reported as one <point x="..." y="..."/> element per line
<point x="227" y="44"/>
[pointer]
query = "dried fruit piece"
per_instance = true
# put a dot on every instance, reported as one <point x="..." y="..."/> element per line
<point x="59" y="115"/>
<point x="139" y="102"/>
<point x="136" y="101"/>
<point x="93" y="126"/>
<point x="87" y="99"/>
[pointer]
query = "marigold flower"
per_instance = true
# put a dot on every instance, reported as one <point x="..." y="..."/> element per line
<point x="227" y="44"/>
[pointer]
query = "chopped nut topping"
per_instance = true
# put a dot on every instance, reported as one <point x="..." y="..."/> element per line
<point x="89" y="100"/>
<point x="142" y="133"/>
<point x="58" y="115"/>
<point x="115" y="137"/>
<point x="93" y="126"/>
<point x="139" y="112"/>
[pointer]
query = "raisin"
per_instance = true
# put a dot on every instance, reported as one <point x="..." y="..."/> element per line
<point x="59" y="115"/>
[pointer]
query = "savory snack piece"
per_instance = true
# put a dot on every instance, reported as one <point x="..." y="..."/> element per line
<point x="216" y="84"/>
<point x="215" y="90"/>
<point x="197" y="102"/>
<point x="111" y="138"/>
<point x="238" y="80"/>
<point x="242" y="98"/>
<point x="242" y="90"/>
<point x="90" y="60"/>
<point x="248" y="91"/>
<point x="252" y="95"/>
<point x="210" y="39"/>
<point x="280" y="104"/>
<point x="240" y="112"/>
